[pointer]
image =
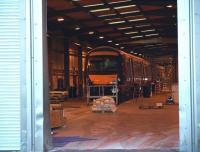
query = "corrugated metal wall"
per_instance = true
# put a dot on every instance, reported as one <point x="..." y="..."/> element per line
<point x="9" y="75"/>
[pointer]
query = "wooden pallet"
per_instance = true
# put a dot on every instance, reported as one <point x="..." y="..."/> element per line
<point x="151" y="106"/>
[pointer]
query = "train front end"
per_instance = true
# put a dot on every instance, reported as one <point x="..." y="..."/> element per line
<point x="103" y="69"/>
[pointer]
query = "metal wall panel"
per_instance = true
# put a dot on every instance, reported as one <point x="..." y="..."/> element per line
<point x="10" y="75"/>
<point x="189" y="74"/>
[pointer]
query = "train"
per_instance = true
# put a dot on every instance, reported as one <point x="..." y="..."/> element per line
<point x="113" y="72"/>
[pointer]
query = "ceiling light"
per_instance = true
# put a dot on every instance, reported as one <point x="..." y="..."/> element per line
<point x="89" y="47"/>
<point x="144" y="25"/>
<point x="132" y="52"/>
<point x="134" y="32"/>
<point x="117" y="44"/>
<point x="77" y="44"/>
<point x="140" y="54"/>
<point x="113" y="14"/>
<point x="110" y="19"/>
<point x="124" y="28"/>
<point x="91" y="32"/>
<point x="109" y="41"/>
<point x="126" y="6"/>
<point x="135" y="53"/>
<point x="122" y="13"/>
<point x="150" y="30"/>
<point x="152" y="34"/>
<point x="100" y="4"/>
<point x="77" y="28"/>
<point x="122" y="47"/>
<point x="139" y="19"/>
<point x="119" y="1"/>
<point x="101" y="37"/>
<point x="134" y="37"/>
<point x="100" y="10"/>
<point x="169" y="6"/>
<point x="118" y="22"/>
<point x="60" y="19"/>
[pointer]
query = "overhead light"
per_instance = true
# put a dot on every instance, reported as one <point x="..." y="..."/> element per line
<point x="109" y="41"/>
<point x="101" y="37"/>
<point x="113" y="14"/>
<point x="77" y="44"/>
<point x="150" y="30"/>
<point x="135" y="53"/>
<point x="100" y="10"/>
<point x="169" y="6"/>
<point x="119" y="2"/>
<point x="77" y="28"/>
<point x="132" y="52"/>
<point x="100" y="4"/>
<point x="144" y="25"/>
<point x="139" y="19"/>
<point x="134" y="32"/>
<point x="126" y="6"/>
<point x="121" y="47"/>
<point x="118" y="22"/>
<point x="91" y="32"/>
<point x="134" y="37"/>
<point x="122" y="13"/>
<point x="60" y="19"/>
<point x="89" y="47"/>
<point x="117" y="44"/>
<point x="152" y="34"/>
<point x="124" y="28"/>
<point x="140" y="54"/>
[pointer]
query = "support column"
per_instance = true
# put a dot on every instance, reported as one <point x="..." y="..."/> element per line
<point x="80" y="73"/>
<point x="66" y="64"/>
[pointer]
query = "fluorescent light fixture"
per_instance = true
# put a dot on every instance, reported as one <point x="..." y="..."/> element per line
<point x="169" y="6"/>
<point x="89" y="47"/>
<point x="100" y="10"/>
<point x="100" y="4"/>
<point x="109" y="41"/>
<point x="133" y="32"/>
<point x="123" y="1"/>
<point x="152" y="34"/>
<point x="77" y="44"/>
<point x="118" y="22"/>
<point x="122" y="13"/>
<point x="150" y="30"/>
<point x="113" y="14"/>
<point x="124" y="28"/>
<point x="135" y="53"/>
<point x="101" y="37"/>
<point x="91" y="32"/>
<point x="134" y="37"/>
<point x="126" y="6"/>
<point x="139" y="19"/>
<point x="144" y="25"/>
<point x="117" y="44"/>
<point x="122" y="47"/>
<point x="77" y="28"/>
<point x="60" y="19"/>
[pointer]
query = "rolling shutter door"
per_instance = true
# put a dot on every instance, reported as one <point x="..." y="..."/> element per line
<point x="10" y="75"/>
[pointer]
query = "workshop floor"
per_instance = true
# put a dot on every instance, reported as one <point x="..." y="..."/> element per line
<point x="128" y="128"/>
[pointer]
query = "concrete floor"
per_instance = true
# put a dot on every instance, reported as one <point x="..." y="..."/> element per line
<point x="128" y="128"/>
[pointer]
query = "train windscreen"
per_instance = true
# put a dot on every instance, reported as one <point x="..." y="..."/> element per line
<point x="103" y="65"/>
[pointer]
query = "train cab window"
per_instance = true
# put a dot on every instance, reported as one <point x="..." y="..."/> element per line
<point x="103" y="64"/>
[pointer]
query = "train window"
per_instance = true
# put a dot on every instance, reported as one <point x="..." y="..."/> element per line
<point x="103" y="64"/>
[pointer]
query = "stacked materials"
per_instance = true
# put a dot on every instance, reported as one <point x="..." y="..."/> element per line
<point x="104" y="104"/>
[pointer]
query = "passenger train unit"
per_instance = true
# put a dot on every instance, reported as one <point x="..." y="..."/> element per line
<point x="112" y="72"/>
